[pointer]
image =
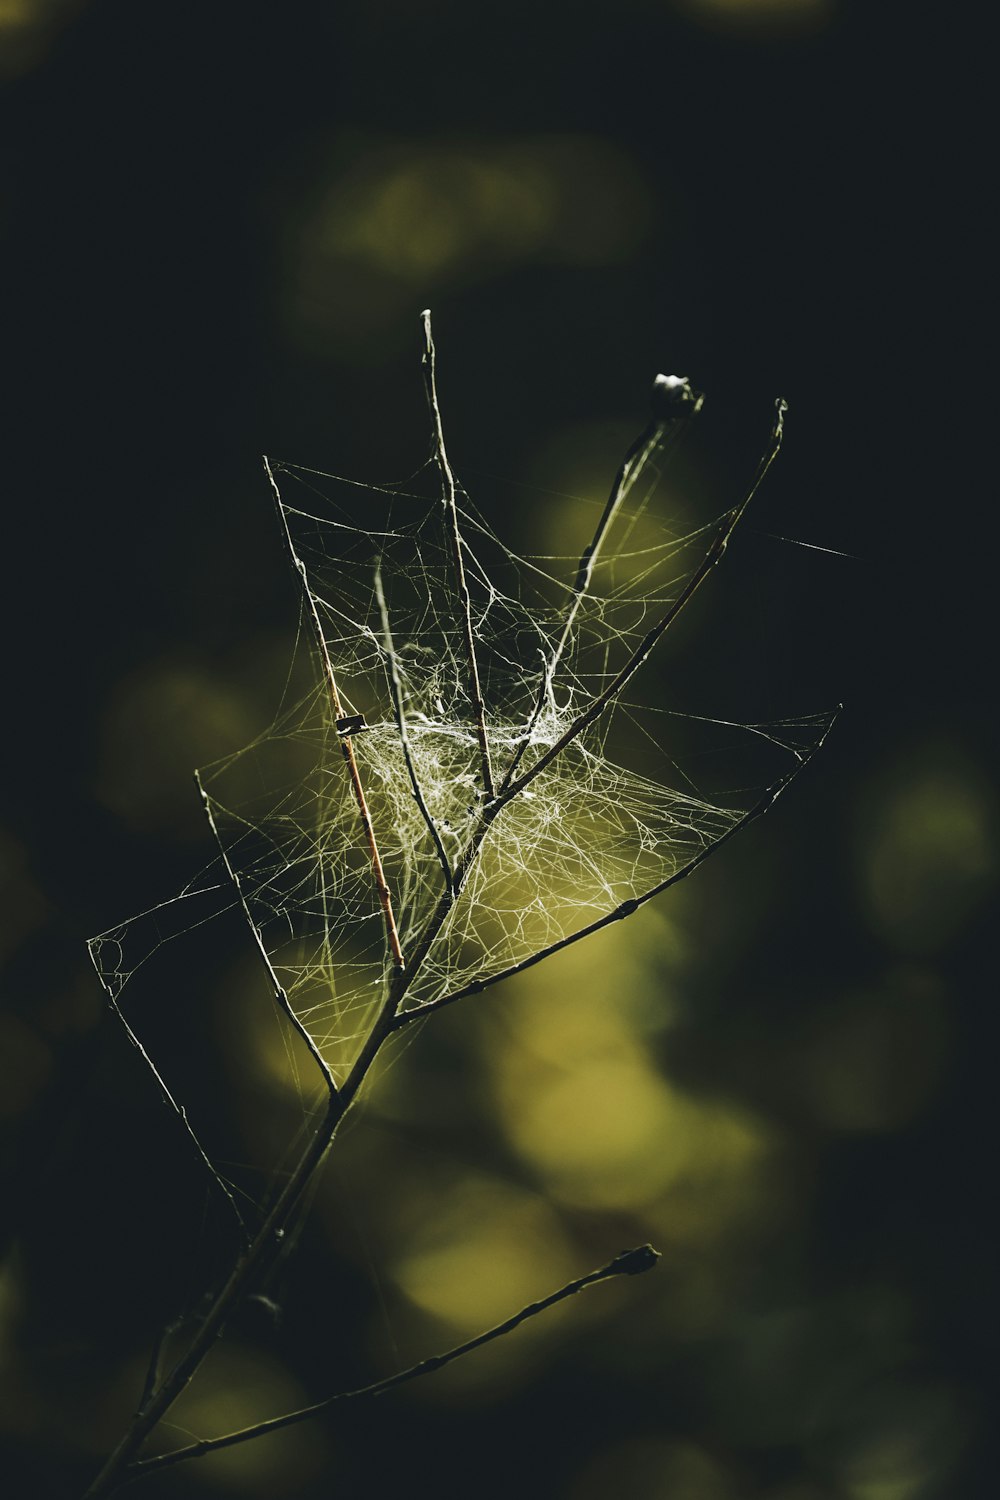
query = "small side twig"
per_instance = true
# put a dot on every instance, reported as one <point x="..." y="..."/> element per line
<point x="163" y="1388"/>
<point x="626" y="908"/>
<point x="278" y="988"/>
<point x="713" y="556"/>
<point x="465" y="861"/>
<point x="169" y="1099"/>
<point x="451" y="508"/>
<point x="399" y="709"/>
<point x="153" y="1368"/>
<point x="673" y="398"/>
<point x="630" y="1263"/>
<point x="346" y="744"/>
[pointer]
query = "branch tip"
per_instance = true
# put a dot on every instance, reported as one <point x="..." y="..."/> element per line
<point x="629" y="1263"/>
<point x="634" y="1262"/>
<point x="674" y="396"/>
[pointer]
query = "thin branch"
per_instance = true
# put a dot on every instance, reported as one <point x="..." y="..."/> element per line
<point x="713" y="556"/>
<point x="629" y="1263"/>
<point x="626" y="909"/>
<point x="266" y="1240"/>
<point x="280" y="994"/>
<point x="155" y="1359"/>
<point x="451" y="508"/>
<point x="404" y="738"/>
<point x="673" y="398"/>
<point x="346" y="743"/>
<point x="266" y="1243"/>
<point x="168" y="1097"/>
<point x="123" y="1463"/>
<point x="489" y="812"/>
<point x="153" y="1368"/>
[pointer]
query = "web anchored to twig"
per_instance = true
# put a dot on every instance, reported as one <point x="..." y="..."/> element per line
<point x="453" y="801"/>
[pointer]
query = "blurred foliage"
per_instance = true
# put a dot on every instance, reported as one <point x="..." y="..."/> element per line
<point x="242" y="1385"/>
<point x="929" y="853"/>
<point x="23" y="904"/>
<point x="161" y="722"/>
<point x="222" y="229"/>
<point x="28" y="28"/>
<point x="392" y="223"/>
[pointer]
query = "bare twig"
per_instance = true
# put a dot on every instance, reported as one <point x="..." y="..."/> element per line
<point x="626" y="909"/>
<point x="448" y="489"/>
<point x="404" y="738"/>
<point x="346" y="744"/>
<point x="155" y="1358"/>
<point x="266" y="1243"/>
<point x="168" y="1097"/>
<point x="470" y="853"/>
<point x="673" y="399"/>
<point x="163" y="1390"/>
<point x="629" y="1263"/>
<point x="280" y="994"/>
<point x="268" y="1239"/>
<point x="713" y="556"/>
<point x="491" y="810"/>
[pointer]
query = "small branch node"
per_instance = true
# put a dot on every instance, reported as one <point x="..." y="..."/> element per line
<point x="635" y="1262"/>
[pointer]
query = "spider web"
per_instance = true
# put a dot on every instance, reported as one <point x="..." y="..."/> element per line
<point x="587" y="837"/>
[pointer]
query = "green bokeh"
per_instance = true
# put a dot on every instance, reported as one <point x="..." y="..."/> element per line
<point x="220" y="228"/>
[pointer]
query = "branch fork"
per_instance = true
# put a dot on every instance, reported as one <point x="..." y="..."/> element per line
<point x="673" y="401"/>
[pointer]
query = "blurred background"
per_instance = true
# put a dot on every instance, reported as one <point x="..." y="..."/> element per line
<point x="219" y="226"/>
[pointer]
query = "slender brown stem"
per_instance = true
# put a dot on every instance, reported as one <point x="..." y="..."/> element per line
<point x="630" y="1263"/>
<point x="346" y="743"/>
<point x="673" y="398"/>
<point x="399" y="708"/>
<point x="451" y="509"/>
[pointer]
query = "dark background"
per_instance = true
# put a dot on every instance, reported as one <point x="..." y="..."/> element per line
<point x="775" y="199"/>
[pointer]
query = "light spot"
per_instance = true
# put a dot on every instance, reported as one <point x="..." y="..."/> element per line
<point x="487" y="1249"/>
<point x="397" y="219"/>
<point x="235" y="1388"/>
<point x="25" y="1065"/>
<point x="929" y="849"/>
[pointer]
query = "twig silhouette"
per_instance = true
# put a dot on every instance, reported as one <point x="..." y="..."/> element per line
<point x="712" y="557"/>
<point x="451" y="508"/>
<point x="259" y="1255"/>
<point x="630" y="1263"/>
<point x="346" y="744"/>
<point x="278" y="989"/>
<point x="169" y="1099"/>
<point x="673" y="400"/>
<point x="399" y="709"/>
<point x="627" y="908"/>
